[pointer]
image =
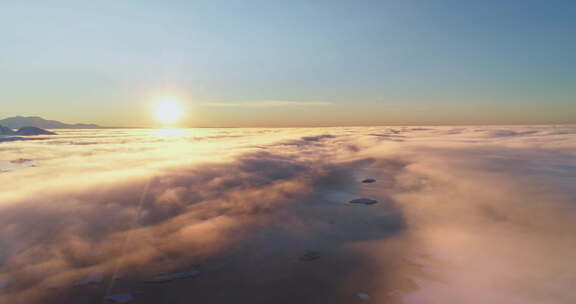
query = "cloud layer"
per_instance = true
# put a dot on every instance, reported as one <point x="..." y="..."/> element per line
<point x="469" y="215"/>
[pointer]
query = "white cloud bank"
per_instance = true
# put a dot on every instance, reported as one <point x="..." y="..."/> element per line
<point x="465" y="215"/>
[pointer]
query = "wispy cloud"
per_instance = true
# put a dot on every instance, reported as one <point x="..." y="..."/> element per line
<point x="269" y="104"/>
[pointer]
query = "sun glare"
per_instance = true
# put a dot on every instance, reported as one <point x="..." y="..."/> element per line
<point x="167" y="111"/>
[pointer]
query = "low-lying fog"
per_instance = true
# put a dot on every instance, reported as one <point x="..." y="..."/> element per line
<point x="464" y="215"/>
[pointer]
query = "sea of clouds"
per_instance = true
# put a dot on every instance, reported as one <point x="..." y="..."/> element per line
<point x="465" y="215"/>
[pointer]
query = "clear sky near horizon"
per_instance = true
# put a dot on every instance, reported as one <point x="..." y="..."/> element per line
<point x="290" y="63"/>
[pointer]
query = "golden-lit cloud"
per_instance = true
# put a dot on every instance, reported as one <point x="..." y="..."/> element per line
<point x="473" y="214"/>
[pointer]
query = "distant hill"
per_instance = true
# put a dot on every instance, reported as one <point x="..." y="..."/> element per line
<point x="6" y="131"/>
<point x="18" y="122"/>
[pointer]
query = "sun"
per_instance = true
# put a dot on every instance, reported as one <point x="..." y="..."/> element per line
<point x="167" y="111"/>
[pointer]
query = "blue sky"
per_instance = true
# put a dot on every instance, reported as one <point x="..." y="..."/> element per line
<point x="281" y="63"/>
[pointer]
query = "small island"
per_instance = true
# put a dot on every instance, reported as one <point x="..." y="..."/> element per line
<point x="7" y="134"/>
